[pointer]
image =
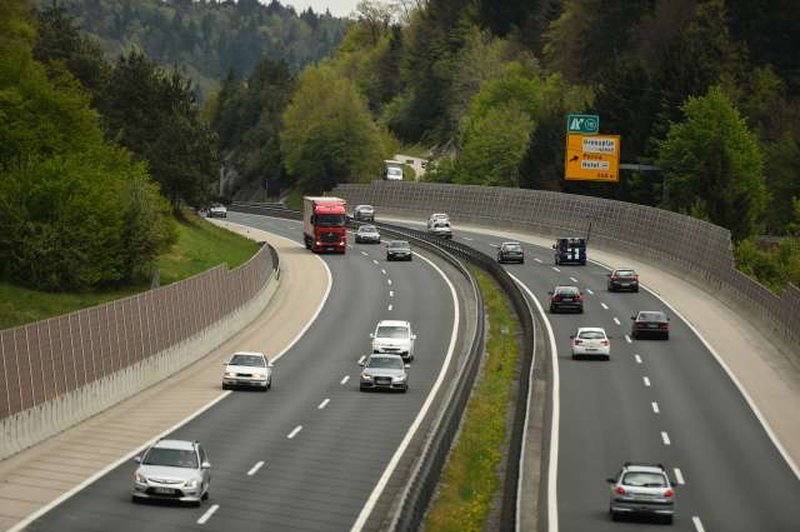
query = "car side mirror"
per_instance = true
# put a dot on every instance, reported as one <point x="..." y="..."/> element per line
<point x="270" y="364"/>
<point x="206" y="465"/>
<point x="371" y="335"/>
<point x="572" y="336"/>
<point x="137" y="459"/>
<point x="611" y="480"/>
<point x="407" y="365"/>
<point x="550" y="292"/>
<point x="413" y="336"/>
<point x="610" y="337"/>
<point x="361" y="363"/>
<point x="608" y="275"/>
<point x="633" y="317"/>
<point x="554" y="246"/>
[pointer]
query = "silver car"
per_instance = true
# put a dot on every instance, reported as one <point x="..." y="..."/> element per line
<point x="218" y="210"/>
<point x="642" y="489"/>
<point x="368" y="234"/>
<point x="441" y="228"/>
<point x="384" y="371"/>
<point x="176" y="470"/>
<point x="248" y="369"/>
<point x="364" y="213"/>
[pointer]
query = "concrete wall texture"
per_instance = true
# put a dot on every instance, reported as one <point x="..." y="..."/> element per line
<point x="60" y="371"/>
<point x="698" y="250"/>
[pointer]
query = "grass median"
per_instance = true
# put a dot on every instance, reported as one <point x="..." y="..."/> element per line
<point x="471" y="479"/>
<point x="200" y="247"/>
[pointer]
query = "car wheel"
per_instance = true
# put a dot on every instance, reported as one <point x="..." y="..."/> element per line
<point x="668" y="520"/>
<point x="405" y="389"/>
<point x="634" y="335"/>
<point x="134" y="499"/>
<point x="574" y="356"/>
<point x="552" y="310"/>
<point x="205" y="495"/>
<point x="522" y="261"/>
<point x="666" y="336"/>
<point x="580" y="310"/>
<point x="583" y="263"/>
<point x="636" y="290"/>
<point x="269" y="385"/>
<point x="225" y="387"/>
<point x="607" y="357"/>
<point x="614" y="515"/>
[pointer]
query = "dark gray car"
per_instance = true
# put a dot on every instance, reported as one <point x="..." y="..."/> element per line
<point x="398" y="250"/>
<point x="623" y="279"/>
<point x="383" y="371"/>
<point x="566" y="297"/>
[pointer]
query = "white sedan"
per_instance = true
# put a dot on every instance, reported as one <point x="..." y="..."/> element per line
<point x="248" y="369"/>
<point x="591" y="342"/>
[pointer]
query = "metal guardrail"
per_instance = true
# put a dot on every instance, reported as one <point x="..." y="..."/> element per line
<point x="420" y="488"/>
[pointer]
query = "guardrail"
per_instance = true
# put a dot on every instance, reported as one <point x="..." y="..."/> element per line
<point x="420" y="487"/>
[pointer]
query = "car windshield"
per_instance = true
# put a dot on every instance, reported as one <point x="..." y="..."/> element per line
<point x="644" y="479"/>
<point x="651" y="316"/>
<point x="367" y="229"/>
<point x="329" y="220"/>
<point x="592" y="335"/>
<point x="392" y="331"/>
<point x="624" y="273"/>
<point x="399" y="245"/>
<point x="567" y="291"/>
<point x="571" y="243"/>
<point x="171" y="458"/>
<point x="247" y="360"/>
<point x="512" y="247"/>
<point x="441" y="223"/>
<point x="385" y="362"/>
<point x="364" y="208"/>
<point x="394" y="172"/>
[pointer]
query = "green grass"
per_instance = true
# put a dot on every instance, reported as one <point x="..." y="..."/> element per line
<point x="200" y="247"/>
<point x="470" y="479"/>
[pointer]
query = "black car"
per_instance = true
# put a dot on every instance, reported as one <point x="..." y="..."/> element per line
<point x="565" y="297"/>
<point x="623" y="279"/>
<point x="398" y="250"/>
<point x="510" y="252"/>
<point x="364" y="213"/>
<point x="653" y="323"/>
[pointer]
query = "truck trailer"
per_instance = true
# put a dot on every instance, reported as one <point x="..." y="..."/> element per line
<point x="324" y="220"/>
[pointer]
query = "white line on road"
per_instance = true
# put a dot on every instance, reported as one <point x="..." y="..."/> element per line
<point x="604" y="306"/>
<point x="616" y="320"/>
<point x="361" y="360"/>
<point x="628" y="339"/>
<point x="698" y="525"/>
<point x="374" y="261"/>
<point x="556" y="269"/>
<point x="389" y="281"/>
<point x="537" y="259"/>
<point x="574" y="280"/>
<point x="655" y="407"/>
<point x="383" y="271"/>
<point x="345" y="379"/>
<point x="255" y="468"/>
<point x="590" y="291"/>
<point x="391" y="293"/>
<point x="646" y="381"/>
<point x="206" y="516"/>
<point x="679" y="476"/>
<point x="468" y="239"/>
<point x="638" y="359"/>
<point x="294" y="432"/>
<point x="665" y="438"/>
<point x="323" y="404"/>
<point x="349" y="246"/>
<point x="390" y="308"/>
<point x="364" y="253"/>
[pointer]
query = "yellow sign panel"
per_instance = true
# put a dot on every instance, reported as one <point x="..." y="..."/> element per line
<point x="592" y="158"/>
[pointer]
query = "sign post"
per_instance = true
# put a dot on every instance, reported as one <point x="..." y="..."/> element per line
<point x="592" y="158"/>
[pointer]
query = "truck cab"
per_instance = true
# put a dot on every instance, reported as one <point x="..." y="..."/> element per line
<point x="324" y="220"/>
<point x="570" y="250"/>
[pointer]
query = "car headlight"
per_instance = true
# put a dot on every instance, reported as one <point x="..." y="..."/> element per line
<point x="401" y="378"/>
<point x="260" y="377"/>
<point x="366" y="376"/>
<point x="230" y="374"/>
<point x="139" y="478"/>
<point x="191" y="484"/>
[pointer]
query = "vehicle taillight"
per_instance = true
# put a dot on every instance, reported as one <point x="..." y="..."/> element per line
<point x="635" y="277"/>
<point x="664" y="326"/>
<point x="556" y="298"/>
<point x="603" y="342"/>
<point x="668" y="493"/>
<point x="639" y="325"/>
<point x="614" y="277"/>
<point x="578" y="342"/>
<point x="580" y="297"/>
<point x="619" y="490"/>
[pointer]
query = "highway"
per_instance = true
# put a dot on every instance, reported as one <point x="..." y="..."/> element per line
<point x="307" y="454"/>
<point x="667" y="402"/>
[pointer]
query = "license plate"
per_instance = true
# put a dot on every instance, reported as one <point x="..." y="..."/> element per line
<point x="164" y="491"/>
<point x="652" y="325"/>
<point x="568" y="299"/>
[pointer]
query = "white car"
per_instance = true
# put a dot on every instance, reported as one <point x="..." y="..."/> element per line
<point x="591" y="342"/>
<point x="437" y="218"/>
<point x="395" y="337"/>
<point x="248" y="369"/>
<point x="218" y="210"/>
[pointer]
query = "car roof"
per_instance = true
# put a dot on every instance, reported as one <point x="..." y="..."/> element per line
<point x="254" y="353"/>
<point x="661" y="313"/>
<point x="644" y="468"/>
<point x="400" y="323"/>
<point x="624" y="269"/>
<point x="511" y="243"/>
<point x="183" y="445"/>
<point x="385" y="355"/>
<point x="562" y="286"/>
<point x="399" y="242"/>
<point x="591" y="329"/>
<point x="370" y="227"/>
<point x="438" y="214"/>
<point x="363" y="205"/>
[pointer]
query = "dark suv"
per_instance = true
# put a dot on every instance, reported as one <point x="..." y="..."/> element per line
<point x="650" y="323"/>
<point x="565" y="297"/>
<point x="623" y="279"/>
<point x="398" y="250"/>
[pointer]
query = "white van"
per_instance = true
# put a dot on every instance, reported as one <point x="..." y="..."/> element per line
<point x="393" y="171"/>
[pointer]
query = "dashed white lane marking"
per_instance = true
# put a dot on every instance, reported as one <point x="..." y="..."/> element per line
<point x="556" y="269"/>
<point x="374" y="261"/>
<point x="323" y="404"/>
<point x="655" y="407"/>
<point x="255" y="468"/>
<point x="349" y="246"/>
<point x="590" y="291"/>
<point x="698" y="525"/>
<point x="364" y="253"/>
<point x="628" y="339"/>
<point x="391" y="293"/>
<point x="605" y="307"/>
<point x="361" y="360"/>
<point x="390" y="308"/>
<point x="537" y="259"/>
<point x="646" y="381"/>
<point x="638" y="359"/>
<point x="345" y="379"/>
<point x="389" y="281"/>
<point x="616" y="320"/>
<point x="495" y="245"/>
<point x="294" y="432"/>
<point x="665" y="438"/>
<point x="679" y="476"/>
<point x="574" y="280"/>
<point x="383" y="271"/>
<point x="468" y="239"/>
<point x="206" y="516"/>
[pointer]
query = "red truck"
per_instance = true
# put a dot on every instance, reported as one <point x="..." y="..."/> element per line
<point x="324" y="222"/>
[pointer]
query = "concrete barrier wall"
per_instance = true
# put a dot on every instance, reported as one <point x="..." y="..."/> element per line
<point x="60" y="371"/>
<point x="700" y="251"/>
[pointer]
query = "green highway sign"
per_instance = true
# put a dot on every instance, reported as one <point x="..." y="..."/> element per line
<point x="584" y="124"/>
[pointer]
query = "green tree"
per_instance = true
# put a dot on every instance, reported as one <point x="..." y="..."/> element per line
<point x="711" y="157"/>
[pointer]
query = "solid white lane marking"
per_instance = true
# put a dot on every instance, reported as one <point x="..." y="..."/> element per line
<point x="323" y="404"/>
<point x="555" y="414"/>
<point x="556" y="269"/>
<point x="468" y="239"/>
<point x="665" y="438"/>
<point x="628" y="339"/>
<point x="537" y="259"/>
<point x="616" y="320"/>
<point x="255" y="468"/>
<point x="638" y="359"/>
<point x="364" y="253"/>
<point x="345" y="379"/>
<point x="495" y="245"/>
<point x="391" y="293"/>
<point x="574" y="280"/>
<point x="698" y="525"/>
<point x="679" y="476"/>
<point x="605" y="307"/>
<point x="374" y="262"/>
<point x="383" y="271"/>
<point x="646" y="381"/>
<point x="294" y="432"/>
<point x="206" y="516"/>
<point x="389" y="281"/>
<point x="655" y="407"/>
<point x="390" y="308"/>
<point x="590" y="291"/>
<point x="366" y="510"/>
<point x="361" y="360"/>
